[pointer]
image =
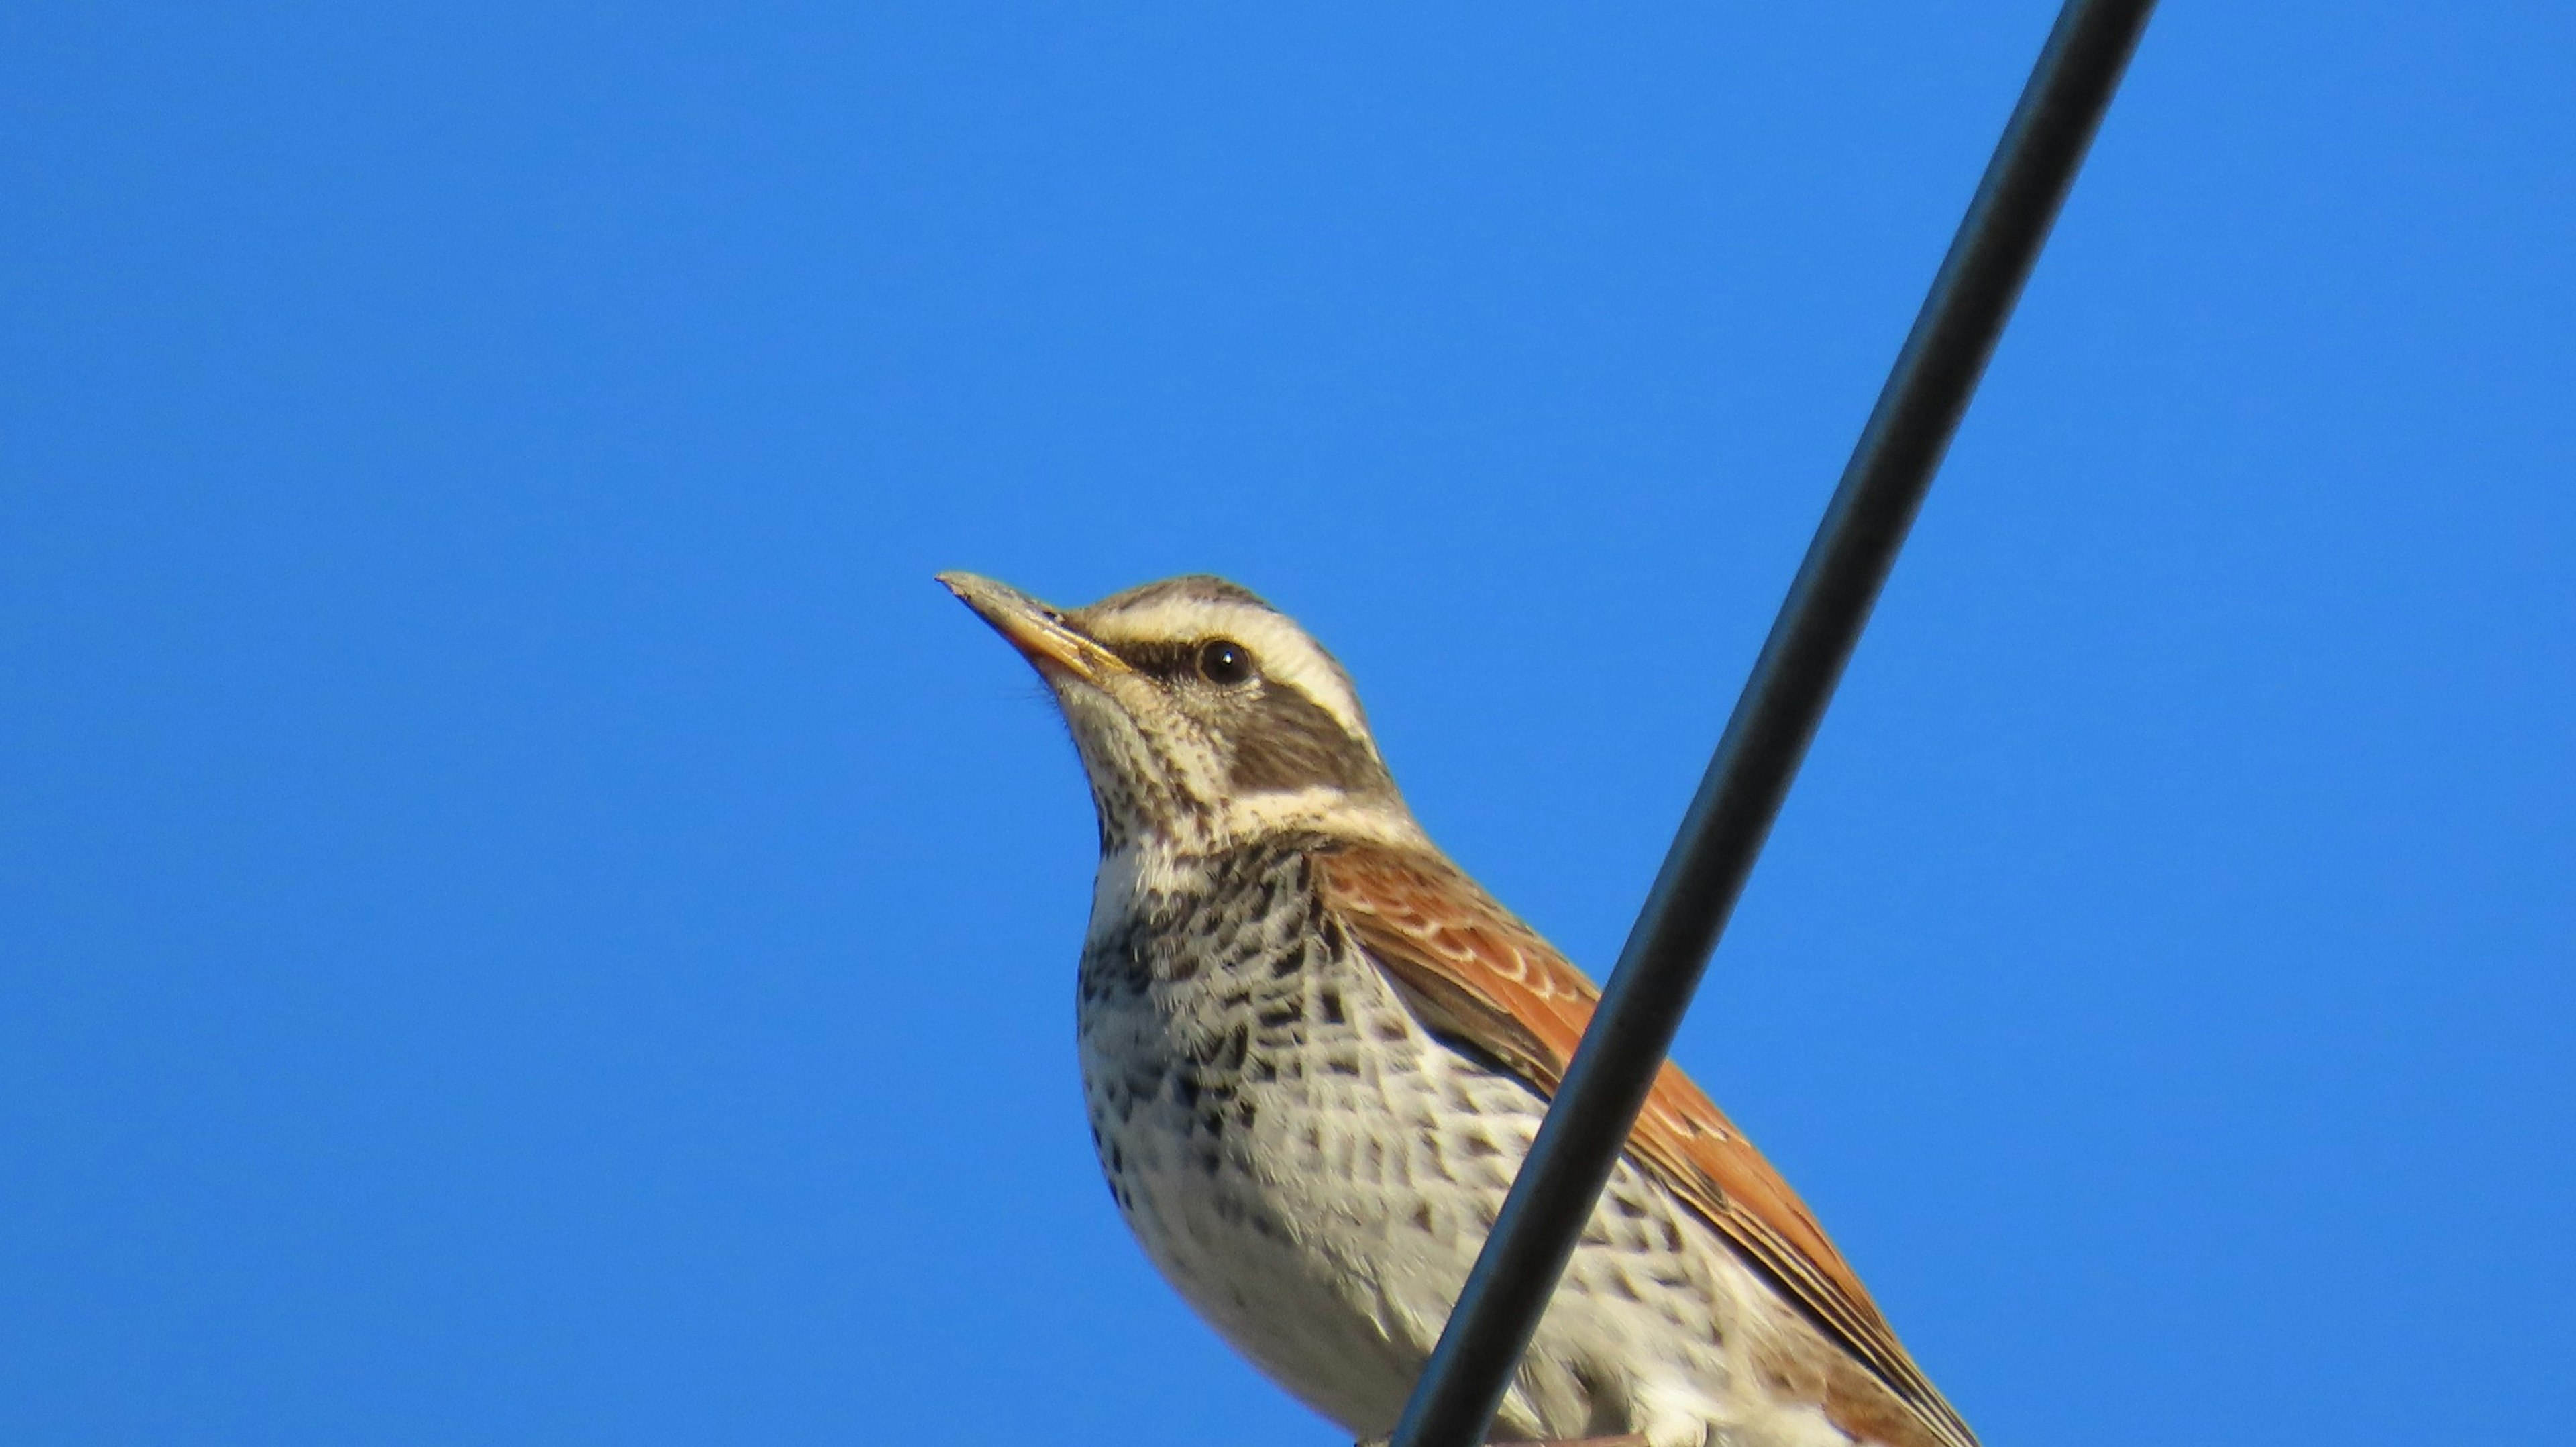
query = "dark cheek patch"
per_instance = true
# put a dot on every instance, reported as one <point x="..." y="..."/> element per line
<point x="1284" y="740"/>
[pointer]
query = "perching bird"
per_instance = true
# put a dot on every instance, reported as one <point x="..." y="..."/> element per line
<point x="1314" y="1052"/>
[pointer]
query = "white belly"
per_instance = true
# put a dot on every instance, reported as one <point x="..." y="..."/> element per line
<point x="1319" y="1193"/>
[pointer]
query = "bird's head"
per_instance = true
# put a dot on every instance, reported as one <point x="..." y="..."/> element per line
<point x="1204" y="716"/>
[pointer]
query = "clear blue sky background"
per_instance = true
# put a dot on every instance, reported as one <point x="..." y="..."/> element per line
<point x="526" y="917"/>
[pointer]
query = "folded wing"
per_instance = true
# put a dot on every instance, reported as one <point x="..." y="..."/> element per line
<point x="1473" y="972"/>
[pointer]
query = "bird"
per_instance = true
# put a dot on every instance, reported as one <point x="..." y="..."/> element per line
<point x="1314" y="1052"/>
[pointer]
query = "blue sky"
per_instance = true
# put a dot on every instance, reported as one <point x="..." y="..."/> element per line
<point x="526" y="916"/>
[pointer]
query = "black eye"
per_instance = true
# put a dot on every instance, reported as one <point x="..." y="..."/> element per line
<point x="1224" y="661"/>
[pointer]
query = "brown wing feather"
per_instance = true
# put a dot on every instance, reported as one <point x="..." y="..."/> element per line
<point x="1471" y="970"/>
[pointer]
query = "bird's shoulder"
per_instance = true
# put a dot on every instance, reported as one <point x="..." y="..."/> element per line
<point x="1472" y="971"/>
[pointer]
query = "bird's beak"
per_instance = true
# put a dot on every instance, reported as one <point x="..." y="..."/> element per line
<point x="1038" y="631"/>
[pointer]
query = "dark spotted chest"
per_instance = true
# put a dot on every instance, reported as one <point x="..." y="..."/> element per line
<point x="1205" y="1008"/>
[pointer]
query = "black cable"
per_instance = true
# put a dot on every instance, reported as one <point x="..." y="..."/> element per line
<point x="1855" y="547"/>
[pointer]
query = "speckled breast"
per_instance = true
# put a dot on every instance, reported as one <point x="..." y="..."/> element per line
<point x="1305" y="1165"/>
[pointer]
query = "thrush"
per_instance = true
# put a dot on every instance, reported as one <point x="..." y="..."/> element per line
<point x="1314" y="1052"/>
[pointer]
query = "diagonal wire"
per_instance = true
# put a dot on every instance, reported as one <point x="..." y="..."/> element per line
<point x="1855" y="547"/>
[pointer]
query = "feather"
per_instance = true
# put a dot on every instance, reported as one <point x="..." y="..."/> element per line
<point x="1472" y="972"/>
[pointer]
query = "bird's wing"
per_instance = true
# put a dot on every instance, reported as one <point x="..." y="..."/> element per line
<point x="1473" y="972"/>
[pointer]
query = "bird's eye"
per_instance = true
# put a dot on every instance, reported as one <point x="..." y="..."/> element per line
<point x="1224" y="661"/>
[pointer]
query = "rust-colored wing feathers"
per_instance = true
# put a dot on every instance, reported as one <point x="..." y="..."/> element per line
<point x="1472" y="971"/>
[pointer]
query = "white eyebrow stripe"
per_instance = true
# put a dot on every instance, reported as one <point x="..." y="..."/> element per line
<point x="1281" y="649"/>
